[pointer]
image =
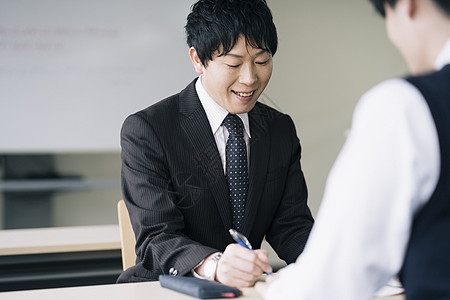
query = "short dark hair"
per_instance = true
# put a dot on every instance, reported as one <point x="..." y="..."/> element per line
<point x="213" y="24"/>
<point x="444" y="5"/>
<point x="379" y="5"/>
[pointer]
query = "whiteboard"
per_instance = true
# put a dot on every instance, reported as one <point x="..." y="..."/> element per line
<point x="72" y="70"/>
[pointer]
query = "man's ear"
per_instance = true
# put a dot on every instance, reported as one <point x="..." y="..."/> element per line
<point x="411" y="6"/>
<point x="196" y="62"/>
<point x="406" y="8"/>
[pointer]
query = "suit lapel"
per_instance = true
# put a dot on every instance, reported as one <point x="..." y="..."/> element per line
<point x="259" y="156"/>
<point x="196" y="126"/>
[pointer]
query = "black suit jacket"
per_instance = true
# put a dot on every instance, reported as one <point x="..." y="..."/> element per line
<point x="175" y="189"/>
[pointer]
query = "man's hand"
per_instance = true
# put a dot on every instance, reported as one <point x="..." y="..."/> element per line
<point x="241" y="267"/>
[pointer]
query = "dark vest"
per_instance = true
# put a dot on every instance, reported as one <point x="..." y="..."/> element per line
<point x="426" y="270"/>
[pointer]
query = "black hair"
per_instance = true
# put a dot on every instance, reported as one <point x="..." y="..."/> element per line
<point x="444" y="5"/>
<point x="213" y="24"/>
<point x="379" y="5"/>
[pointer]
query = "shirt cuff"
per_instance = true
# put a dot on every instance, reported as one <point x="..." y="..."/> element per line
<point x="195" y="273"/>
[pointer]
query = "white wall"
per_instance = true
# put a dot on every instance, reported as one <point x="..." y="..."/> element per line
<point x="330" y="52"/>
<point x="66" y="64"/>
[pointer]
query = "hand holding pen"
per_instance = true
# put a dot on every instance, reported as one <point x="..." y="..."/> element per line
<point x="240" y="267"/>
<point x="243" y="241"/>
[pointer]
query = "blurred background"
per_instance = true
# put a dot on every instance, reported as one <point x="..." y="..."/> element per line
<point x="71" y="71"/>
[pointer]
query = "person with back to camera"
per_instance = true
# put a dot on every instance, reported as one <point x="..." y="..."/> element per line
<point x="386" y="207"/>
<point x="212" y="158"/>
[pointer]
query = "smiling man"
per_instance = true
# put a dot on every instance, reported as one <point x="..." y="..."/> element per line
<point x="212" y="158"/>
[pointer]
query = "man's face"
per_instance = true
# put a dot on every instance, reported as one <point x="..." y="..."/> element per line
<point x="236" y="80"/>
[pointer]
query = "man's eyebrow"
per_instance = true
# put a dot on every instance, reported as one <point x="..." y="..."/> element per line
<point x="241" y="56"/>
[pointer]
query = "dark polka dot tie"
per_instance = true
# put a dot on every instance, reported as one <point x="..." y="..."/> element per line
<point x="237" y="167"/>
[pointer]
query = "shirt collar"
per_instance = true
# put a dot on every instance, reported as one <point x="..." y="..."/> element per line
<point x="443" y="57"/>
<point x="216" y="113"/>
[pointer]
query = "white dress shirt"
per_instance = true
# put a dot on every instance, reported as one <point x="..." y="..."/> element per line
<point x="216" y="114"/>
<point x="385" y="172"/>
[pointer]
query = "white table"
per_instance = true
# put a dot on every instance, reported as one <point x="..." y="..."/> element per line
<point x="128" y="291"/>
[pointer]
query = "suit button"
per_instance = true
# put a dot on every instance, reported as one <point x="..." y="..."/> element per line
<point x="173" y="272"/>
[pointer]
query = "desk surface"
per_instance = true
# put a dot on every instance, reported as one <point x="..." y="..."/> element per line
<point x="59" y="239"/>
<point x="128" y="291"/>
<point x="87" y="238"/>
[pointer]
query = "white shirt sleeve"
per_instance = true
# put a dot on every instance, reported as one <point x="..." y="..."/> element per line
<point x="387" y="169"/>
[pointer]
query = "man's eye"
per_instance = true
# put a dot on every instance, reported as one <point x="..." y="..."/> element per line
<point x="262" y="62"/>
<point x="233" y="66"/>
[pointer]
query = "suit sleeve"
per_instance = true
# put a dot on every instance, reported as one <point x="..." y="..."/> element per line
<point x="293" y="220"/>
<point x="161" y="244"/>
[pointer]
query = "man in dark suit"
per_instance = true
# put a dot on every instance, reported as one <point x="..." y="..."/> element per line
<point x="212" y="158"/>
